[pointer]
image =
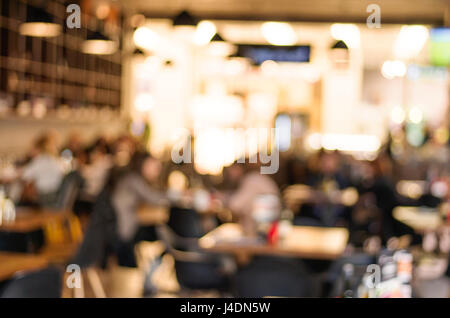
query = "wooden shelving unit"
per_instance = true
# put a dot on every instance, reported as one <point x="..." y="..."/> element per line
<point x="56" y="68"/>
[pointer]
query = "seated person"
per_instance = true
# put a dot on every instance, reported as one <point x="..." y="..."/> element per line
<point x="251" y="184"/>
<point x="44" y="171"/>
<point x="95" y="174"/>
<point x="129" y="189"/>
<point x="114" y="224"/>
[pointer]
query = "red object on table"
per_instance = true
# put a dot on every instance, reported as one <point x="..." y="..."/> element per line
<point x="272" y="235"/>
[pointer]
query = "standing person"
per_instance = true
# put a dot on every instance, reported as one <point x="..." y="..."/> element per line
<point x="44" y="171"/>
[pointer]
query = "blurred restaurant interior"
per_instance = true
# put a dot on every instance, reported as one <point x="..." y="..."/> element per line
<point x="226" y="148"/>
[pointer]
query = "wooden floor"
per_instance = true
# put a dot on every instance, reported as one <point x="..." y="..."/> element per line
<point x="122" y="282"/>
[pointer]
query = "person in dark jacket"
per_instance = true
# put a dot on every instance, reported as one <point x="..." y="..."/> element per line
<point x="114" y="224"/>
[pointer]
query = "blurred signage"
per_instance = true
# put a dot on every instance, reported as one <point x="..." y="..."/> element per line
<point x="261" y="53"/>
<point x="416" y="72"/>
<point x="440" y="46"/>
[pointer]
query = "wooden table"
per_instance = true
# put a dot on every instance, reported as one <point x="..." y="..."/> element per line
<point x="299" y="194"/>
<point x="150" y="215"/>
<point x="420" y="219"/>
<point x="12" y="263"/>
<point x="31" y="219"/>
<point x="302" y="241"/>
<point x="412" y="189"/>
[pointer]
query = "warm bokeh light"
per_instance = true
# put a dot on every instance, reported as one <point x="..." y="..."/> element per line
<point x="145" y="38"/>
<point x="392" y="69"/>
<point x="410" y="41"/>
<point x="345" y="143"/>
<point x="205" y="32"/>
<point x="279" y="33"/>
<point x="40" y="29"/>
<point x="144" y="102"/>
<point x="398" y="115"/>
<point x="214" y="149"/>
<point x="99" y="47"/>
<point x="349" y="33"/>
<point x="415" y="115"/>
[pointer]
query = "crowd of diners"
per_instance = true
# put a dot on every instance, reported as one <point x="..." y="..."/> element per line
<point x="118" y="175"/>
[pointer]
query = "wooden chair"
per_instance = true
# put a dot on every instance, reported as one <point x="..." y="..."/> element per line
<point x="63" y="238"/>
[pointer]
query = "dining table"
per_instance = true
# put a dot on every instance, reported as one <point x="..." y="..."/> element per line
<point x="26" y="232"/>
<point x="149" y="215"/>
<point x="320" y="243"/>
<point x="296" y="195"/>
<point x="32" y="219"/>
<point x="420" y="219"/>
<point x="14" y="263"/>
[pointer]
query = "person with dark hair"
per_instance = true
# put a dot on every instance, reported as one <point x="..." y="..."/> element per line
<point x="95" y="172"/>
<point x="44" y="171"/>
<point x="129" y="188"/>
<point x="114" y="225"/>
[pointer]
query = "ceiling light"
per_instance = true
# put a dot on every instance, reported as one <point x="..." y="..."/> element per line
<point x="205" y="32"/>
<point x="279" y="33"/>
<point x="184" y="19"/>
<point x="145" y="38"/>
<point x="220" y="47"/>
<point x="340" y="54"/>
<point x="99" y="44"/>
<point x="348" y="33"/>
<point x="39" y="23"/>
<point x="340" y="45"/>
<point x="410" y="41"/>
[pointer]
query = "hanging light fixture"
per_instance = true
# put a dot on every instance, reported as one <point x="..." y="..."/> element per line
<point x="39" y="23"/>
<point x="348" y="33"/>
<point x="184" y="19"/>
<point x="205" y="32"/>
<point x="279" y="33"/>
<point x="340" y="45"/>
<point x="145" y="38"/>
<point x="217" y="39"/>
<point x="219" y="47"/>
<point x="340" y="54"/>
<point x="138" y="52"/>
<point x="185" y="26"/>
<point x="99" y="44"/>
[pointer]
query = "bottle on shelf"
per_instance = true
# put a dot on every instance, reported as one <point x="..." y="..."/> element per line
<point x="2" y="199"/>
<point x="348" y="271"/>
<point x="404" y="261"/>
<point x="7" y="208"/>
<point x="387" y="264"/>
<point x="9" y="211"/>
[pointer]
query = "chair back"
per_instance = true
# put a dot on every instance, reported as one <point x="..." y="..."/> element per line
<point x="194" y="269"/>
<point x="68" y="191"/>
<point x="64" y="230"/>
<point x="185" y="222"/>
<point x="46" y="283"/>
<point x="100" y="234"/>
